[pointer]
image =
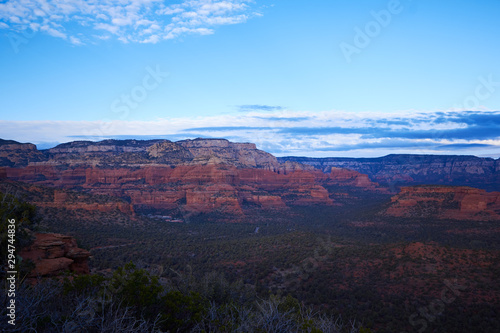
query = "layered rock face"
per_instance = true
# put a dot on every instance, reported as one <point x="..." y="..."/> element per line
<point x="446" y="202"/>
<point x="201" y="188"/>
<point x="417" y="169"/>
<point x="130" y="153"/>
<point x="348" y="177"/>
<point x="65" y="200"/>
<point x="13" y="153"/>
<point x="202" y="175"/>
<point x="138" y="153"/>
<point x="53" y="254"/>
<point x="115" y="153"/>
<point x="217" y="151"/>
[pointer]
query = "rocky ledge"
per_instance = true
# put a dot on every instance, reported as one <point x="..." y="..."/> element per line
<point x="13" y="153"/>
<point x="446" y="202"/>
<point x="53" y="254"/>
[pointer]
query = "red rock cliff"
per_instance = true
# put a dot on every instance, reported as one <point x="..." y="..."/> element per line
<point x="202" y="175"/>
<point x="202" y="188"/>
<point x="54" y="254"/>
<point x="348" y="177"/>
<point x="453" y="202"/>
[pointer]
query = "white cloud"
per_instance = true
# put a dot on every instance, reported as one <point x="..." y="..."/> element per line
<point x="53" y="32"/>
<point x="177" y="31"/>
<point x="151" y="39"/>
<point x="102" y="37"/>
<point x="108" y="27"/>
<point x="329" y="133"/>
<point x="75" y="41"/>
<point x="174" y="9"/>
<point x="144" y="21"/>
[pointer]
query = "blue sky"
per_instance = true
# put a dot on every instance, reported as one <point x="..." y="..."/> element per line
<point x="317" y="78"/>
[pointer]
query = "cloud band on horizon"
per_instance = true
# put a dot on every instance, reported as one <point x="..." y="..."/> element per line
<point x="297" y="133"/>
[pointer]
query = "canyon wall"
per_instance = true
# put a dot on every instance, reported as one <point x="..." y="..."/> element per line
<point x="13" y="153"/>
<point x="401" y="170"/>
<point x="446" y="202"/>
<point x="201" y="188"/>
<point x="202" y="175"/>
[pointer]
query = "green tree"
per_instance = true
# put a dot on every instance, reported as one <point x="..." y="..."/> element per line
<point x="23" y="216"/>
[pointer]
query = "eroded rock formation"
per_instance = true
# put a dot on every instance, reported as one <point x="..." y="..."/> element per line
<point x="202" y="175"/>
<point x="13" y="153"/>
<point x="54" y="254"/>
<point x="446" y="202"/>
<point x="348" y="177"/>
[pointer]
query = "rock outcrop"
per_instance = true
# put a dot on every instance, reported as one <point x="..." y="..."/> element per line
<point x="70" y="201"/>
<point x="65" y="199"/>
<point x="221" y="151"/>
<point x="446" y="202"/>
<point x="13" y="153"/>
<point x="346" y="177"/>
<point x="116" y="153"/>
<point x="137" y="153"/>
<point x="54" y="254"/>
<point x="129" y="153"/>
